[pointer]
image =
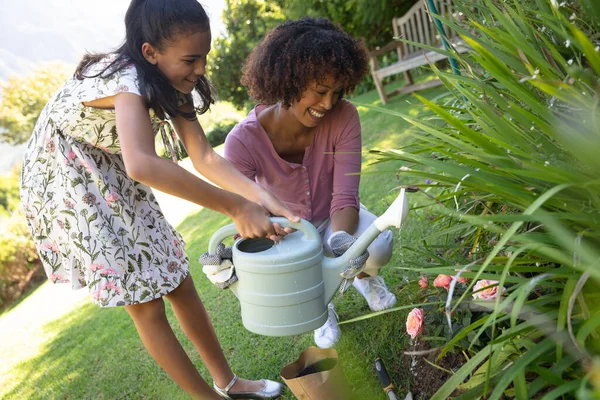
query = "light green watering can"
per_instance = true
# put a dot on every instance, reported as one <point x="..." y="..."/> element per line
<point x="284" y="287"/>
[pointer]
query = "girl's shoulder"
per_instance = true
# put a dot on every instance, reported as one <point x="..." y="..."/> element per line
<point x="107" y="78"/>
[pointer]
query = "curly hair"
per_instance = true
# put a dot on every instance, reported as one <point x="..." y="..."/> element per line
<point x="296" y="53"/>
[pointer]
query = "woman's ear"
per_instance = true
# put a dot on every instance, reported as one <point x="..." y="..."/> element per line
<point x="149" y="53"/>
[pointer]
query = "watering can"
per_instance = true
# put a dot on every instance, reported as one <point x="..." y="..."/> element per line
<point x="284" y="288"/>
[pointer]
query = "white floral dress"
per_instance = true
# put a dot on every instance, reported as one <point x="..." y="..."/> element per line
<point x="93" y="225"/>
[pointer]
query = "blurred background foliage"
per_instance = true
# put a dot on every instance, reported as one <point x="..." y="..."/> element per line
<point x="247" y="21"/>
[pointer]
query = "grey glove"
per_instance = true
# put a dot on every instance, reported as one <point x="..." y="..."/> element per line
<point x="218" y="267"/>
<point x="340" y="242"/>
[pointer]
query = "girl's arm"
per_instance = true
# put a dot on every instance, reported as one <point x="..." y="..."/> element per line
<point x="145" y="166"/>
<point x="216" y="169"/>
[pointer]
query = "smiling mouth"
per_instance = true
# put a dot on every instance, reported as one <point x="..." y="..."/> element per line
<point x="315" y="113"/>
<point x="192" y="81"/>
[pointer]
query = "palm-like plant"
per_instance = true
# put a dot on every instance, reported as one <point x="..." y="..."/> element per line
<point x="517" y="165"/>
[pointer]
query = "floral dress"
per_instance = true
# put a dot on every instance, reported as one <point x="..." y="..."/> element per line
<point x="93" y="225"/>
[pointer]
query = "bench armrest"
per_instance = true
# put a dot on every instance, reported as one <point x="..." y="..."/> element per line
<point x="393" y="45"/>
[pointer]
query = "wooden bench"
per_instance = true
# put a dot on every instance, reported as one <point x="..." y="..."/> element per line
<point x="417" y="26"/>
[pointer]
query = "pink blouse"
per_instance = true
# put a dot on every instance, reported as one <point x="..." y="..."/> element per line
<point x="326" y="181"/>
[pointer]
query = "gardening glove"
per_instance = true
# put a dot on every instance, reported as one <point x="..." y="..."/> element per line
<point x="339" y="242"/>
<point x="219" y="267"/>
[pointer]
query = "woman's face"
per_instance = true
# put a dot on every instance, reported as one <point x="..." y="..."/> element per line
<point x="316" y="101"/>
<point x="183" y="60"/>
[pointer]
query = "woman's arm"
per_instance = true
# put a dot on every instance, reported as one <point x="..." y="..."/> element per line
<point x="144" y="165"/>
<point x="346" y="167"/>
<point x="345" y="219"/>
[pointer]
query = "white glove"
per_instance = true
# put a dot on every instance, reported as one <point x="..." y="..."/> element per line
<point x="219" y="268"/>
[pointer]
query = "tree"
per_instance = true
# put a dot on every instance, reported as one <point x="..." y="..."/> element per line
<point x="247" y="22"/>
<point x="24" y="97"/>
<point x="367" y="19"/>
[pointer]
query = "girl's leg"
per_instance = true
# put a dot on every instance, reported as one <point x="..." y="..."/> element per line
<point x="153" y="327"/>
<point x="195" y="322"/>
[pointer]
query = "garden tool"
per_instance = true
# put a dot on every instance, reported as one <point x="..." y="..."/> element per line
<point x="386" y="383"/>
<point x="284" y="288"/>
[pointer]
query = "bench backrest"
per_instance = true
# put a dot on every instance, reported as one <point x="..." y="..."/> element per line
<point x="417" y="26"/>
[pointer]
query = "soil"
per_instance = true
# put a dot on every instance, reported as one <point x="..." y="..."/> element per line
<point x="424" y="378"/>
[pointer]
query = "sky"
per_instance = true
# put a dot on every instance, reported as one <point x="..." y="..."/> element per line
<point x="34" y="31"/>
<point x="38" y="31"/>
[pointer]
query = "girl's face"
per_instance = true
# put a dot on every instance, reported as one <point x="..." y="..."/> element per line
<point x="183" y="60"/>
<point x="316" y="101"/>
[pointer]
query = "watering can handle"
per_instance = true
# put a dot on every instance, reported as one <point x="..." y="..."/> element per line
<point x="310" y="232"/>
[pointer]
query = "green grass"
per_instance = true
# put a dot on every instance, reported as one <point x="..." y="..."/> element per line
<point x="95" y="353"/>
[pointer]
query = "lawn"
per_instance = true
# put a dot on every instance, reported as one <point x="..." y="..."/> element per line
<point x="95" y="353"/>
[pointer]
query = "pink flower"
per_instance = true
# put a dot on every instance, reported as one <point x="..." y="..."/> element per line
<point x="460" y="279"/>
<point x="489" y="291"/>
<point x="112" y="198"/>
<point x="443" y="281"/>
<point x="109" y="271"/>
<point x="423" y="282"/>
<point x="72" y="155"/>
<point x="95" y="267"/>
<point x="414" y="322"/>
<point x="108" y="286"/>
<point x="50" y="146"/>
<point x="51" y="246"/>
<point x="96" y="294"/>
<point x="56" y="277"/>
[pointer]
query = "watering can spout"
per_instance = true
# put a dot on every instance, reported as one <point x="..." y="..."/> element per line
<point x="332" y="267"/>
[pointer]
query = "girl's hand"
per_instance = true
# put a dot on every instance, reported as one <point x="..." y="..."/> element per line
<point x="253" y="221"/>
<point x="276" y="207"/>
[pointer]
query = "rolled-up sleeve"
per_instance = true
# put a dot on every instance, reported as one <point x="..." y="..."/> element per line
<point x="347" y="164"/>
<point x="239" y="155"/>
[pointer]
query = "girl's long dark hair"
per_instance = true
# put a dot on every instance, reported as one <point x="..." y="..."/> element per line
<point x="155" y="22"/>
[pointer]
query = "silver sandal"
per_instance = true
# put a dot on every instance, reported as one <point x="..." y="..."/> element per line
<point x="270" y="390"/>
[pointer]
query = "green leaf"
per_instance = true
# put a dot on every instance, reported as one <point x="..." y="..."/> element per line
<point x="520" y="365"/>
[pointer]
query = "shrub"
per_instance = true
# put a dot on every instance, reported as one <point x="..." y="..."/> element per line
<point x="513" y="150"/>
<point x="9" y="192"/>
<point x="19" y="262"/>
<point x="219" y="132"/>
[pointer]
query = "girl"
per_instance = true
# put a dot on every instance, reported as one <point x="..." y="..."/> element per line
<point x="86" y="177"/>
<point x="303" y="143"/>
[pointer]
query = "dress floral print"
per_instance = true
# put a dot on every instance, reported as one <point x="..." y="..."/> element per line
<point x="93" y="225"/>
